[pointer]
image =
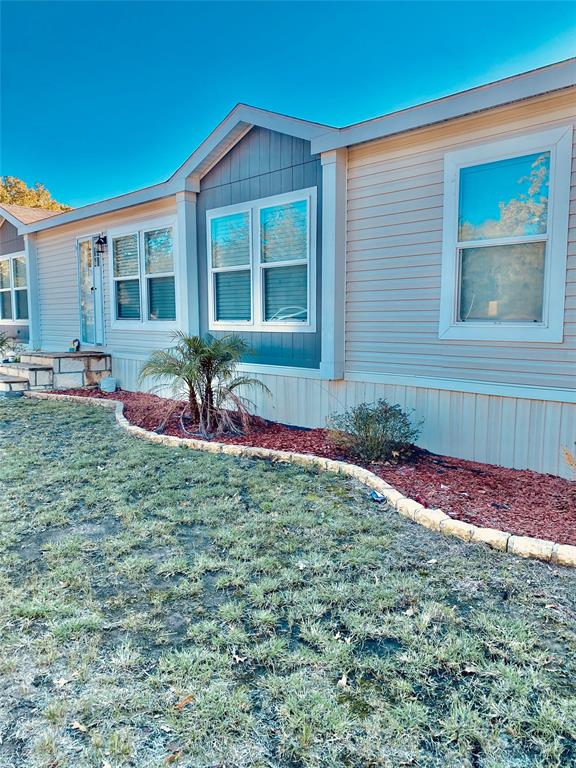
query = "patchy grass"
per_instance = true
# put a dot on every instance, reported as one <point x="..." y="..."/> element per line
<point x="164" y="607"/>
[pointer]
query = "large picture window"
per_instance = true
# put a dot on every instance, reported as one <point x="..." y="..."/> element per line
<point x="143" y="275"/>
<point x="13" y="289"/>
<point x="505" y="239"/>
<point x="261" y="264"/>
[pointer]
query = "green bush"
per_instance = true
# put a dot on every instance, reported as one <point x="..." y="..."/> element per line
<point x="374" y="431"/>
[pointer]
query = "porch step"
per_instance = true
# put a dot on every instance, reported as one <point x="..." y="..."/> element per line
<point x="37" y="376"/>
<point x="69" y="370"/>
<point x="12" y="386"/>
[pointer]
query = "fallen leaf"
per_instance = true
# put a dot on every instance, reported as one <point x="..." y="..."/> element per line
<point x="174" y="757"/>
<point x="78" y="727"/>
<point x="183" y="702"/>
<point x="432" y="562"/>
<point x="410" y="612"/>
<point x="60" y="682"/>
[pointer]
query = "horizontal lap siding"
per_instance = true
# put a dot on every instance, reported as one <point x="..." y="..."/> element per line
<point x="58" y="283"/>
<point x="394" y="257"/>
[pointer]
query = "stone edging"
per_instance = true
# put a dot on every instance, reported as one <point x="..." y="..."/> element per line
<point x="434" y="519"/>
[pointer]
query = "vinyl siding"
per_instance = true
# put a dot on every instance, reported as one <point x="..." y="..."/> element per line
<point x="10" y="240"/>
<point x="510" y="431"/>
<point x="59" y="308"/>
<point x="263" y="163"/>
<point x="394" y="257"/>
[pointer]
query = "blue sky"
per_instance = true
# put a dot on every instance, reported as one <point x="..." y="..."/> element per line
<point x="101" y="98"/>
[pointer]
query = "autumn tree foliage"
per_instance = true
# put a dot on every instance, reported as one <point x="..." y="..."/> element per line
<point x="14" y="191"/>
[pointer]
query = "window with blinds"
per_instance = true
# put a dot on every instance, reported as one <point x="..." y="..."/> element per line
<point x="260" y="263"/>
<point x="143" y="275"/>
<point x="284" y="261"/>
<point x="231" y="267"/>
<point x="126" y="264"/>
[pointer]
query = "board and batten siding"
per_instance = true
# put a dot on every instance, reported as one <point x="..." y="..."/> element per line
<point x="10" y="240"/>
<point x="263" y="163"/>
<point x="394" y="258"/>
<point x="513" y="432"/>
<point x="59" y="303"/>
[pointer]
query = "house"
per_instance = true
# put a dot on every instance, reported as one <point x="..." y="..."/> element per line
<point x="427" y="256"/>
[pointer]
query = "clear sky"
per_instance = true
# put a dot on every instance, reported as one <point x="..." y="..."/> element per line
<point x="99" y="98"/>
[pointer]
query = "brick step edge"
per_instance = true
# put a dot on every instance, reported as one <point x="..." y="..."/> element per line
<point x="434" y="519"/>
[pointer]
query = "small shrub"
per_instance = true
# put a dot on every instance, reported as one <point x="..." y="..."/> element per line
<point x="374" y="431"/>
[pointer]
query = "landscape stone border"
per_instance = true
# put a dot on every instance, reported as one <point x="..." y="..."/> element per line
<point x="434" y="519"/>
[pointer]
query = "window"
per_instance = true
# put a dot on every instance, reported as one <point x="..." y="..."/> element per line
<point x="260" y="264"/>
<point x="505" y="239"/>
<point x="143" y="275"/>
<point x="13" y="289"/>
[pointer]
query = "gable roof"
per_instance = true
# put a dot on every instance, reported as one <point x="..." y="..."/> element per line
<point x="22" y="214"/>
<point x="235" y="125"/>
<point x="187" y="177"/>
<point x="322" y="137"/>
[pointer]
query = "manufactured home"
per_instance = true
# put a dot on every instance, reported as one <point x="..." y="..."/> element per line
<point x="427" y="256"/>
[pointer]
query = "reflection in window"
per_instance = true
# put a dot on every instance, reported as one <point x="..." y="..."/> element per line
<point x="506" y="198"/>
<point x="13" y="288"/>
<point x="259" y="263"/>
<point x="502" y="233"/>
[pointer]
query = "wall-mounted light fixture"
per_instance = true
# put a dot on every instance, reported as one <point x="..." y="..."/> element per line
<point x="100" y="244"/>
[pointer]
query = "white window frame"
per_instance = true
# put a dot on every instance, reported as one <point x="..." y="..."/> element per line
<point x="10" y="258"/>
<point x="558" y="142"/>
<point x="257" y="267"/>
<point x="139" y="229"/>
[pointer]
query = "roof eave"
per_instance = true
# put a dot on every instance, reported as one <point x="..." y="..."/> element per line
<point x="6" y="215"/>
<point x="138" y="197"/>
<point x="236" y="124"/>
<point x="517" y="88"/>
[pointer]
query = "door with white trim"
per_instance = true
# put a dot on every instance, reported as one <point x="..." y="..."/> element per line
<point x="91" y="292"/>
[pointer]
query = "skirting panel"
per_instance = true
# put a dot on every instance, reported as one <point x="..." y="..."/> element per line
<point x="512" y="432"/>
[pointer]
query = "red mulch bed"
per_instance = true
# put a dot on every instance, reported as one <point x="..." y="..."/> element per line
<point x="517" y="500"/>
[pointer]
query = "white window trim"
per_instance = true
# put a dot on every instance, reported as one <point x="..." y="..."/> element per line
<point x="13" y="290"/>
<point x="557" y="141"/>
<point x="139" y="228"/>
<point x="257" y="323"/>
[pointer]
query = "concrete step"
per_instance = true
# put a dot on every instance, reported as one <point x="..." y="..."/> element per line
<point x="12" y="386"/>
<point x="38" y="376"/>
<point x="72" y="369"/>
<point x="70" y="362"/>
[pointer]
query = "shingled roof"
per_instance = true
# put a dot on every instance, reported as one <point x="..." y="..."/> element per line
<point x="27" y="215"/>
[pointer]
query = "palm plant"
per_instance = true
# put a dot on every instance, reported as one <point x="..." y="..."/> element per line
<point x="5" y="344"/>
<point x="203" y="369"/>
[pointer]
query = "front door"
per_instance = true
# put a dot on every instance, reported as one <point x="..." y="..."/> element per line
<point x="91" y="294"/>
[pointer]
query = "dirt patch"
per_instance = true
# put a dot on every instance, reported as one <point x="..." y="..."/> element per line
<point x="523" y="502"/>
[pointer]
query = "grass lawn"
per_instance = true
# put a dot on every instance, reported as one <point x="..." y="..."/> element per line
<point x="164" y="607"/>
